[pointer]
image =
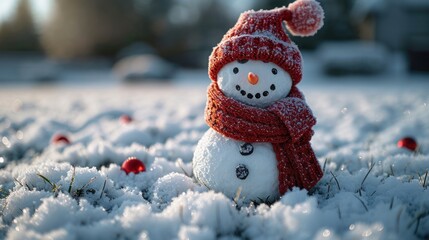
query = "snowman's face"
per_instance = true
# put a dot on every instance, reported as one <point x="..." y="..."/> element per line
<point x="255" y="83"/>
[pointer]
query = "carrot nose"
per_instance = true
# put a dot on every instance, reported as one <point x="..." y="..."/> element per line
<point x="252" y="78"/>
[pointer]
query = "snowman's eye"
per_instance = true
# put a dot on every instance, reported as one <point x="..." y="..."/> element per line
<point x="235" y="70"/>
<point x="274" y="71"/>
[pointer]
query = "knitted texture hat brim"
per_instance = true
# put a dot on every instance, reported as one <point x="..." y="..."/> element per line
<point x="257" y="47"/>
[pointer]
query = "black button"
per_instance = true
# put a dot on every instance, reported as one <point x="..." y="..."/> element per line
<point x="241" y="171"/>
<point x="246" y="149"/>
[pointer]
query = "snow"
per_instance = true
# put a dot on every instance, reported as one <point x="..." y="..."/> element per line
<point x="370" y="190"/>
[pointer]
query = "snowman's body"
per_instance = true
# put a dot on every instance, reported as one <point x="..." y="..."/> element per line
<point x="226" y="165"/>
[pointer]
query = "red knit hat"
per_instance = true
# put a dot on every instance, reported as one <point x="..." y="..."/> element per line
<point x="260" y="35"/>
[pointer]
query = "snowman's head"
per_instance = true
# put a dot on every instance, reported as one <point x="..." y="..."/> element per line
<point x="261" y="35"/>
<point x="255" y="83"/>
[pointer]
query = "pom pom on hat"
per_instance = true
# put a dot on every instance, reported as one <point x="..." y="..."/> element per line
<point x="307" y="18"/>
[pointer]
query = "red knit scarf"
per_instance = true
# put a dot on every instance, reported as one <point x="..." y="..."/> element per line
<point x="286" y="125"/>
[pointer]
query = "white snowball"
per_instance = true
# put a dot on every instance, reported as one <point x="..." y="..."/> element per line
<point x="19" y="200"/>
<point x="233" y="81"/>
<point x="169" y="187"/>
<point x="205" y="210"/>
<point x="194" y="232"/>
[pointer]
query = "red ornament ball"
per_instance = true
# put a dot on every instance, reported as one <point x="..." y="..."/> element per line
<point x="60" y="138"/>
<point x="408" y="143"/>
<point x="125" y="119"/>
<point x="134" y="165"/>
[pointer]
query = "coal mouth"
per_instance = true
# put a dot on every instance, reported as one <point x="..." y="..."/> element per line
<point x="255" y="95"/>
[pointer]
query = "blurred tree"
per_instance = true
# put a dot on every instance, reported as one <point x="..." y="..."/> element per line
<point x="214" y="22"/>
<point x="81" y="28"/>
<point x="154" y="22"/>
<point x="338" y="22"/>
<point x="190" y="26"/>
<point x="187" y="30"/>
<point x="176" y="29"/>
<point x="19" y="33"/>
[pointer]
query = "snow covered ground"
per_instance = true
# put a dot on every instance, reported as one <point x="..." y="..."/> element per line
<point x="371" y="189"/>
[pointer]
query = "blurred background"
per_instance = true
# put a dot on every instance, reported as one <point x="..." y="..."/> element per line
<point x="100" y="41"/>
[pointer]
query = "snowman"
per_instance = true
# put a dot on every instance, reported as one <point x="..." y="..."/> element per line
<point x="258" y="144"/>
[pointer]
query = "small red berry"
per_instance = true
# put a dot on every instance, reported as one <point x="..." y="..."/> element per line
<point x="134" y="165"/>
<point x="60" y="138"/>
<point x="408" y="143"/>
<point x="125" y="119"/>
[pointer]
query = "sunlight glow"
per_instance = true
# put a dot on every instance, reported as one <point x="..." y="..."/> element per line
<point x="6" y="8"/>
<point x="40" y="8"/>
